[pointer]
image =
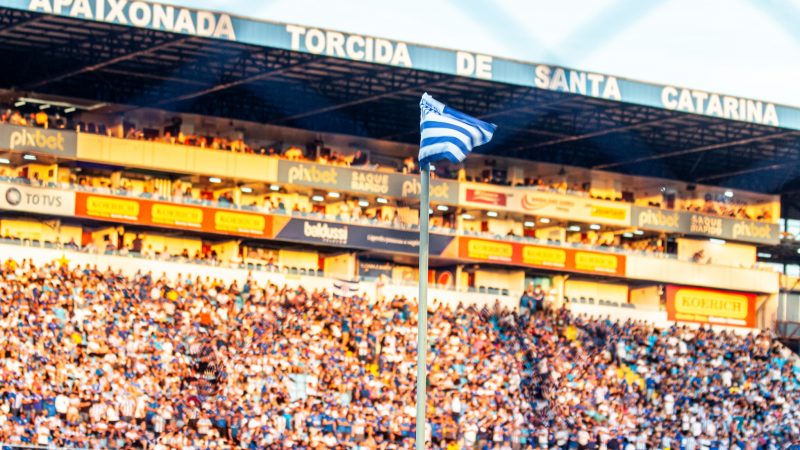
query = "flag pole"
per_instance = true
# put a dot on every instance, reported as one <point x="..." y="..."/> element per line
<point x="422" y="313"/>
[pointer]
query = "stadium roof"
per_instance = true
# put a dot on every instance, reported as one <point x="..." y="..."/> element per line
<point x="145" y="54"/>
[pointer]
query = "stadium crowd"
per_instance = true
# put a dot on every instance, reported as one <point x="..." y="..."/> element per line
<point x="95" y="359"/>
<point x="346" y="210"/>
<point x="716" y="205"/>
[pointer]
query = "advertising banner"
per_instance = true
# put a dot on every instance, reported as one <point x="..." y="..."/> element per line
<point x="529" y="255"/>
<point x="39" y="140"/>
<point x="356" y="236"/>
<point x="170" y="215"/>
<point x="22" y="198"/>
<point x="544" y="204"/>
<point x="367" y="182"/>
<point x="709" y="306"/>
<point x="374" y="269"/>
<point x="691" y="223"/>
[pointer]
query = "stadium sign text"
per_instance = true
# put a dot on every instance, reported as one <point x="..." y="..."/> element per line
<point x="36" y="200"/>
<point x="577" y="82"/>
<point x="325" y="232"/>
<point x="727" y="107"/>
<point x="413" y="188"/>
<point x="312" y="174"/>
<point x="351" y="46"/>
<point x="376" y="183"/>
<point x="142" y="14"/>
<point x="39" y="140"/>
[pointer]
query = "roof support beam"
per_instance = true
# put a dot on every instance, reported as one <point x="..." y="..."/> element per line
<point x="746" y="171"/>
<point x="106" y="63"/>
<point x="701" y="149"/>
<point x="14" y="26"/>
<point x="224" y="86"/>
<point x="362" y="100"/>
<point x="605" y="132"/>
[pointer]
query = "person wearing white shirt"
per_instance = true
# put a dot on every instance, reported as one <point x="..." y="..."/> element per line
<point x="62" y="404"/>
<point x="456" y="407"/>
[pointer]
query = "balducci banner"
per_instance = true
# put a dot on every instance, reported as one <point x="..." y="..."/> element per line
<point x="357" y="236"/>
<point x="39" y="140"/>
<point x="708" y="306"/>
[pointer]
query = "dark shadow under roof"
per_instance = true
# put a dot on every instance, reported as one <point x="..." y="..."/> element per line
<point x="102" y="62"/>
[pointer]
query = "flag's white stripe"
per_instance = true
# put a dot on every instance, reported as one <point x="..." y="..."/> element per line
<point x="478" y="136"/>
<point x="481" y="135"/>
<point x="441" y="148"/>
<point x="438" y="132"/>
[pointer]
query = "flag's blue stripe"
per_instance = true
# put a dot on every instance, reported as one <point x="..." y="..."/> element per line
<point x="429" y="124"/>
<point x="485" y="126"/>
<point x="439" y="156"/>
<point x="446" y="139"/>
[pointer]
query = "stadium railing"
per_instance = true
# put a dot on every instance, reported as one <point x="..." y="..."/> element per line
<point x="250" y="267"/>
<point x="358" y="221"/>
<point x="4" y="446"/>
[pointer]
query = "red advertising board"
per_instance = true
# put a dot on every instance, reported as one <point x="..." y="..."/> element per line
<point x="529" y="255"/>
<point x="486" y="197"/>
<point x="172" y="215"/>
<point x="711" y="306"/>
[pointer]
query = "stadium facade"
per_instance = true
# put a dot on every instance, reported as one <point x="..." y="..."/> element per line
<point x="284" y="146"/>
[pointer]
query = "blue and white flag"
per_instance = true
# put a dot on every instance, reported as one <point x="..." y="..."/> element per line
<point x="447" y="133"/>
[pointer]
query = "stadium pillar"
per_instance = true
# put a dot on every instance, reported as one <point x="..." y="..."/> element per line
<point x="422" y="310"/>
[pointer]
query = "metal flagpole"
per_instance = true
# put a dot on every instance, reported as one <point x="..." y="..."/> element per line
<point x="422" y="314"/>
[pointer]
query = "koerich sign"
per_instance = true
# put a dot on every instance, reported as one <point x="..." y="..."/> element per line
<point x="143" y="15"/>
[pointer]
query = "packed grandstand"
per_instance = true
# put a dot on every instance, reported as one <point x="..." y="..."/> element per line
<point x="94" y="357"/>
<point x="196" y="260"/>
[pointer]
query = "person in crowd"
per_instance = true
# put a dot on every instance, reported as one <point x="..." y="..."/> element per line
<point x="359" y="159"/>
<point x="94" y="358"/>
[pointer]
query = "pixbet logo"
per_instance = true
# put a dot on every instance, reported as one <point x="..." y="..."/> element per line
<point x="659" y="219"/>
<point x="751" y="230"/>
<point x="413" y="188"/>
<point x="37" y="140"/>
<point x="304" y="174"/>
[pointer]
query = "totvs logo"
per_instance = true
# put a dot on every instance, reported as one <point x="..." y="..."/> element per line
<point x="36" y="139"/>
